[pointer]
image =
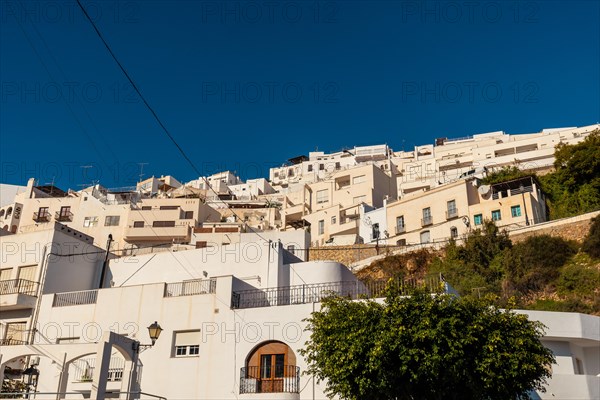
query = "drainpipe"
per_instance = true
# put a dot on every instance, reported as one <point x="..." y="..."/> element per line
<point x="105" y="264"/>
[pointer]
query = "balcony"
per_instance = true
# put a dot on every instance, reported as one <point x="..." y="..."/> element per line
<point x="190" y="288"/>
<point x="41" y="216"/>
<point x="283" y="379"/>
<point x="316" y="292"/>
<point x="178" y="230"/>
<point x="64" y="216"/>
<point x="75" y="298"/>
<point x="400" y="229"/>
<point x="425" y="221"/>
<point x="17" y="294"/>
<point x="11" y="342"/>
<point x="452" y="213"/>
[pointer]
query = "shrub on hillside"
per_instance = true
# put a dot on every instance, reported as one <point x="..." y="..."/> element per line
<point x="535" y="262"/>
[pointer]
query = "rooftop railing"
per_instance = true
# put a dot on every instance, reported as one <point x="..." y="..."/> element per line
<point x="75" y="298"/>
<point x="189" y="288"/>
<point x="312" y="293"/>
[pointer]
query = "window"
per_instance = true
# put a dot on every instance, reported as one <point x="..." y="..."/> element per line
<point x="496" y="215"/>
<point x="333" y="220"/>
<point x="42" y="215"/>
<point x="401" y="242"/>
<point x="15" y="333"/>
<point x="358" y="179"/>
<point x="112" y="220"/>
<point x="65" y="213"/>
<point x="290" y="172"/>
<point x="322" y="196"/>
<point x="163" y="224"/>
<point x="5" y="274"/>
<point x="187" y="343"/>
<point x="90" y="222"/>
<point x="321" y="227"/>
<point x="427" y="219"/>
<point x="425" y="237"/>
<point x="321" y="167"/>
<point x="515" y="211"/>
<point x="310" y="167"/>
<point x="189" y="214"/>
<point x="169" y="207"/>
<point x="28" y="273"/>
<point x="478" y="219"/>
<point x="291" y="248"/>
<point x="451" y="207"/>
<point x="337" y="165"/>
<point x="375" y="231"/>
<point x="453" y="232"/>
<point x="359" y="199"/>
<point x="400" y="224"/>
<point x="138" y="224"/>
<point x="146" y="208"/>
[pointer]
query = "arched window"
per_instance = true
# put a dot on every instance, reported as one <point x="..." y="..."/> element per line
<point x="270" y="368"/>
<point x="1" y="213"/>
<point x="9" y="212"/>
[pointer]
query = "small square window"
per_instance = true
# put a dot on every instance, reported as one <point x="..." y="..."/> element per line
<point x="496" y="215"/>
<point x="194" y="350"/>
<point x="138" y="224"/>
<point x="515" y="211"/>
<point x="310" y="167"/>
<point x="181" y="350"/>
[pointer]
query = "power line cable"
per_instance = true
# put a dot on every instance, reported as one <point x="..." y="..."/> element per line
<point x="152" y="111"/>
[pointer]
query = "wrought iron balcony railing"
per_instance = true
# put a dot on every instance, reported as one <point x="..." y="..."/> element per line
<point x="189" y="288"/>
<point x="41" y="216"/>
<point x="426" y="221"/>
<point x="75" y="298"/>
<point x="63" y="216"/>
<point x="452" y="213"/>
<point x="18" y="286"/>
<point x="400" y="229"/>
<point x="270" y="379"/>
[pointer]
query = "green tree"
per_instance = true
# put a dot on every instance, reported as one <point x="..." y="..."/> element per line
<point x="425" y="347"/>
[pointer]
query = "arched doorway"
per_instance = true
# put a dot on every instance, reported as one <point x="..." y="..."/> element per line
<point x="270" y="368"/>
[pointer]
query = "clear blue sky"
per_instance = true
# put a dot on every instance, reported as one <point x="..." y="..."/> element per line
<point x="243" y="85"/>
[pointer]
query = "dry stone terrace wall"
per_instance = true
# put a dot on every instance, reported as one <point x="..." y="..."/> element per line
<point x="574" y="228"/>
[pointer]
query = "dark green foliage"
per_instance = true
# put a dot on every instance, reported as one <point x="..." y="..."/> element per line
<point x="475" y="266"/>
<point x="574" y="187"/>
<point x="591" y="244"/>
<point x="533" y="263"/>
<point x="425" y="347"/>
<point x="503" y="175"/>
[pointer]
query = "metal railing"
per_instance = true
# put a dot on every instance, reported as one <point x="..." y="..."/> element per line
<point x="189" y="288"/>
<point x="41" y="216"/>
<point x="18" y="286"/>
<point x="400" y="229"/>
<point x="270" y="379"/>
<point x="63" y="216"/>
<point x="312" y="293"/>
<point x="75" y="298"/>
<point x="426" y="221"/>
<point x="11" y="342"/>
<point x="452" y="213"/>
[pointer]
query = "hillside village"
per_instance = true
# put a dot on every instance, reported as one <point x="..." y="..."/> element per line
<point x="230" y="269"/>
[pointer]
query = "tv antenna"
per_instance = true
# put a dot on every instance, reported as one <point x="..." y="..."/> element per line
<point x="141" y="164"/>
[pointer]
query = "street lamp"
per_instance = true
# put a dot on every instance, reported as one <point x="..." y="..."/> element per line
<point x="154" y="331"/>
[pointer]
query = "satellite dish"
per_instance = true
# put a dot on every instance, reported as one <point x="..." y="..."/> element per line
<point x="484" y="190"/>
